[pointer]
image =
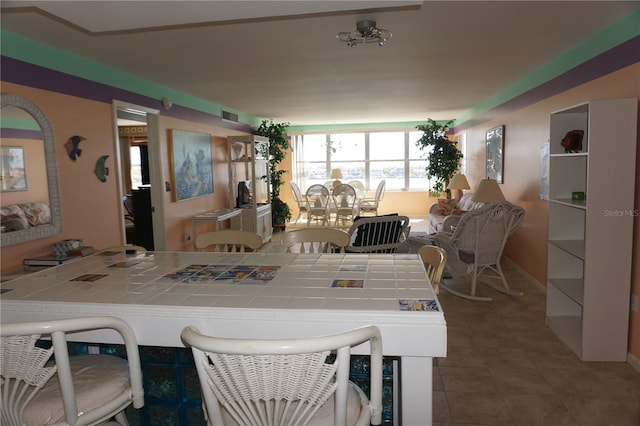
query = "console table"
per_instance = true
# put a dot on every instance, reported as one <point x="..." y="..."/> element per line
<point x="218" y="216"/>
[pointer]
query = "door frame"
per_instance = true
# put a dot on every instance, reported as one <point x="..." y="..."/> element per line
<point x="155" y="171"/>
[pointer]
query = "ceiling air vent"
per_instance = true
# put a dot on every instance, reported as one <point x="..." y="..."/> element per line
<point x="229" y="116"/>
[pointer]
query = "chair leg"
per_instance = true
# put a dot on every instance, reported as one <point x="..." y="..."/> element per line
<point x="445" y="287"/>
<point x="472" y="294"/>
<point x="497" y="268"/>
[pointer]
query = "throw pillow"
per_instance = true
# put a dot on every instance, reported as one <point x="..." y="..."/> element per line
<point x="37" y="213"/>
<point x="446" y="206"/>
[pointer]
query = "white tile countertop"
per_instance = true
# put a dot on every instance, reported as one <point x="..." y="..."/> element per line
<point x="250" y="295"/>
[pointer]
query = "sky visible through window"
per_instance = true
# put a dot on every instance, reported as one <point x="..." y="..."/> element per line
<point x="368" y="157"/>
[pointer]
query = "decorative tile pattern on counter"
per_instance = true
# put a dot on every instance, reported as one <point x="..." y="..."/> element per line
<point x="418" y="305"/>
<point x="184" y="278"/>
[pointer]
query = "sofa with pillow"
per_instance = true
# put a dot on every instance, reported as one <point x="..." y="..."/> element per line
<point x="18" y="217"/>
<point x="447" y="207"/>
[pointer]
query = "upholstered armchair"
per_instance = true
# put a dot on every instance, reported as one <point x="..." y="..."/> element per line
<point x="475" y="245"/>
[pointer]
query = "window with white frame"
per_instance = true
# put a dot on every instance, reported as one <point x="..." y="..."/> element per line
<point x="368" y="157"/>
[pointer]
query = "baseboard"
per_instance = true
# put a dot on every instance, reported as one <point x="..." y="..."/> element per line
<point x="633" y="361"/>
<point x="525" y="274"/>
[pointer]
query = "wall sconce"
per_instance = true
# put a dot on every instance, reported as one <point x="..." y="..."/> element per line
<point x="167" y="103"/>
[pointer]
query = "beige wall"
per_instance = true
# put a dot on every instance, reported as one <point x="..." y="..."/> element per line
<point x="90" y="208"/>
<point x="178" y="214"/>
<point x="525" y="131"/>
<point x="85" y="201"/>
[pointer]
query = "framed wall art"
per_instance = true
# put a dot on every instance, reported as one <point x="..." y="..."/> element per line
<point x="191" y="164"/>
<point x="495" y="153"/>
<point x="13" y="173"/>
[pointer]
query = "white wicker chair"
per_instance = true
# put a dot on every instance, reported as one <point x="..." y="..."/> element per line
<point x="371" y="205"/>
<point x="286" y="382"/>
<point x="312" y="240"/>
<point x="345" y="199"/>
<point x="359" y="187"/>
<point x="87" y="389"/>
<point x="475" y="246"/>
<point x="301" y="201"/>
<point x="318" y="199"/>
<point x="228" y="240"/>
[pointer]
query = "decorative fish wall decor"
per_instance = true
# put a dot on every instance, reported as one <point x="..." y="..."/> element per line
<point x="72" y="146"/>
<point x="101" y="170"/>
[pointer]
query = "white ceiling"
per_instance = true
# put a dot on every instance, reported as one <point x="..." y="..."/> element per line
<point x="281" y="60"/>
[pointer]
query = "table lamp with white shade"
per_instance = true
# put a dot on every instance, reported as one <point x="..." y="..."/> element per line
<point x="336" y="174"/>
<point x="488" y="191"/>
<point x="458" y="183"/>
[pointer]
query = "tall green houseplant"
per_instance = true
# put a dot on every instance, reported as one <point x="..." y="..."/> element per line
<point x="278" y="146"/>
<point x="444" y="156"/>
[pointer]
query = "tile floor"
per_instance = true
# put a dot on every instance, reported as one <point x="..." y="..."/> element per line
<point x="505" y="367"/>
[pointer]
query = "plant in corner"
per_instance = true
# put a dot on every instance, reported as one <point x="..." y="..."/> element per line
<point x="443" y="154"/>
<point x="278" y="146"/>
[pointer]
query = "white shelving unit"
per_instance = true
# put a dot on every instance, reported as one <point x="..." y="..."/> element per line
<point x="249" y="162"/>
<point x="590" y="241"/>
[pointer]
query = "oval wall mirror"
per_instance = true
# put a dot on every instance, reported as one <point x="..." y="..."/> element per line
<point x="30" y="203"/>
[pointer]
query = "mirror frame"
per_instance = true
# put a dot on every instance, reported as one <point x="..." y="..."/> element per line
<point x="42" y="231"/>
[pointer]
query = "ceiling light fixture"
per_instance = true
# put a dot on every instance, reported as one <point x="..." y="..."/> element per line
<point x="366" y="32"/>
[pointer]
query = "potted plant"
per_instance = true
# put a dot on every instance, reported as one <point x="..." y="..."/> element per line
<point x="444" y="156"/>
<point x="278" y="146"/>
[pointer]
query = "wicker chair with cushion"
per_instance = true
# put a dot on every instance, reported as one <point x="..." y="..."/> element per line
<point x="476" y="244"/>
<point x="76" y="390"/>
<point x="378" y="234"/>
<point x="286" y="382"/>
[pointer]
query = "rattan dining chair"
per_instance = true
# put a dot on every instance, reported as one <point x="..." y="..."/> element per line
<point x="76" y="390"/>
<point x="371" y="205"/>
<point x="359" y="187"/>
<point x="301" y="201"/>
<point x="318" y="202"/>
<point x="345" y="200"/>
<point x="286" y="382"/>
<point x="228" y="240"/>
<point x="434" y="259"/>
<point x="315" y="240"/>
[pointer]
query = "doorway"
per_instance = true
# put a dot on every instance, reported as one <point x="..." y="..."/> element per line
<point x="138" y="154"/>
